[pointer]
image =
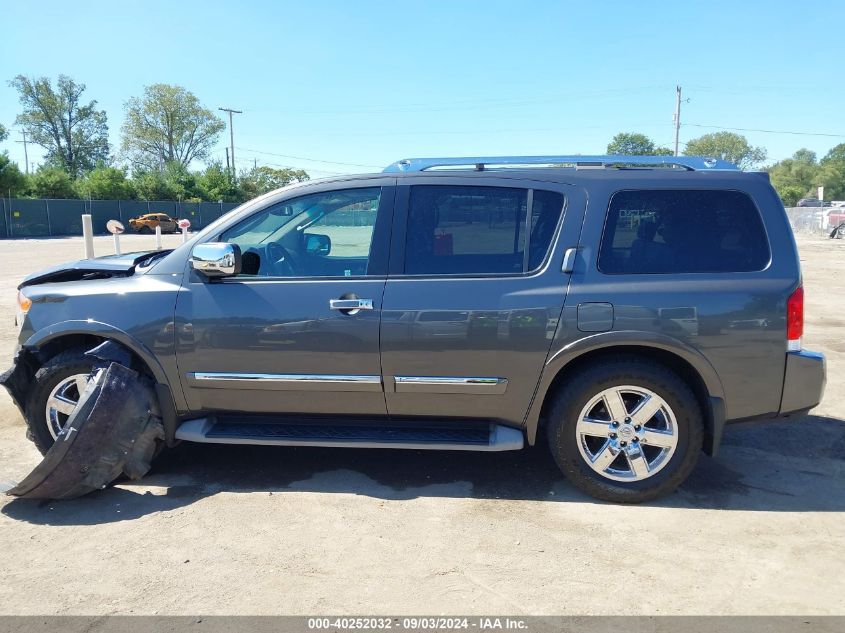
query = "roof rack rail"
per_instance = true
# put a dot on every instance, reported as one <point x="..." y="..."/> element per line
<point x="480" y="163"/>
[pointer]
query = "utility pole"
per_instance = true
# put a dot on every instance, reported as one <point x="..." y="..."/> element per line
<point x="677" y="116"/>
<point x="231" y="135"/>
<point x="229" y="169"/>
<point x="25" y="154"/>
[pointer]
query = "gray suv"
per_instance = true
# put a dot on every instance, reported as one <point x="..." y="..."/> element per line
<point x="626" y="308"/>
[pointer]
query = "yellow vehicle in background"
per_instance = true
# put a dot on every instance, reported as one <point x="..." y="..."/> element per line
<point x="148" y="223"/>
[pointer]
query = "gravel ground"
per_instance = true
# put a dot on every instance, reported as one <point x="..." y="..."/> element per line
<point x="257" y="530"/>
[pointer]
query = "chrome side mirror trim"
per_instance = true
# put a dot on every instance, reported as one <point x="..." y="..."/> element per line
<point x="216" y="259"/>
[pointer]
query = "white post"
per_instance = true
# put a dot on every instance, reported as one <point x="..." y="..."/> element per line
<point x="158" y="237"/>
<point x="88" y="235"/>
<point x="184" y="234"/>
<point x="116" y="237"/>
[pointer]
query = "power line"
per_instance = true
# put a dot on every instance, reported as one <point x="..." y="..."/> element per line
<point x="313" y="160"/>
<point x="283" y="166"/>
<point x="748" y="129"/>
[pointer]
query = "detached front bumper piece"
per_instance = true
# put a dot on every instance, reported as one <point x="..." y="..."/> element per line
<point x="112" y="431"/>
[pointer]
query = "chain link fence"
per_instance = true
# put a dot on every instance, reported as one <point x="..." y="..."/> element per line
<point x="815" y="220"/>
<point x="46" y="218"/>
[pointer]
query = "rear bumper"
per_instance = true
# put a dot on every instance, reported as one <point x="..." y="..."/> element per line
<point x="804" y="381"/>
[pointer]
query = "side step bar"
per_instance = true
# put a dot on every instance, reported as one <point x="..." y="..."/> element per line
<point x="458" y="437"/>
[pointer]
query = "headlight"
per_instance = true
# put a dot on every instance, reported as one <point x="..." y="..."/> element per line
<point x="24" y="304"/>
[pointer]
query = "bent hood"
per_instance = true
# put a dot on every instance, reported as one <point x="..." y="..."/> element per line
<point x="97" y="268"/>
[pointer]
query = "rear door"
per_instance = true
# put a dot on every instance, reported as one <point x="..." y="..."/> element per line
<point x="468" y="312"/>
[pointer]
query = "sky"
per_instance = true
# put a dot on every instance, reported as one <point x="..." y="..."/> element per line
<point x="344" y="87"/>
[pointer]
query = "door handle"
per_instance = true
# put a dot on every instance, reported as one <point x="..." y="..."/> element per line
<point x="569" y="260"/>
<point x="353" y="305"/>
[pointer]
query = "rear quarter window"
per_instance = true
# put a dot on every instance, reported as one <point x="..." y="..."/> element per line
<point x="683" y="231"/>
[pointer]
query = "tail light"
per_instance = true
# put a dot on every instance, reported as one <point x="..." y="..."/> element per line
<point x="795" y="319"/>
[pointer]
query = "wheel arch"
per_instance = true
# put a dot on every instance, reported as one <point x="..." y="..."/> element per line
<point x="56" y="338"/>
<point x="67" y="334"/>
<point x="684" y="360"/>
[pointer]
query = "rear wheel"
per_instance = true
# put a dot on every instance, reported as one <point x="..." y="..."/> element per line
<point x="626" y="430"/>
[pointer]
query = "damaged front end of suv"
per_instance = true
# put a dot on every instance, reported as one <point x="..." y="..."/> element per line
<point x="90" y="393"/>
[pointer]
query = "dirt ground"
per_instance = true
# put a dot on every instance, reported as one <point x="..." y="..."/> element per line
<point x="258" y="530"/>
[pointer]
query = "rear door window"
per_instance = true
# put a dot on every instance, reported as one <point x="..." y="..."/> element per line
<point x="465" y="230"/>
<point x="689" y="231"/>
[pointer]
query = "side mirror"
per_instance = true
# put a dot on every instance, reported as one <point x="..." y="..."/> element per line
<point x="216" y="259"/>
<point x="317" y="244"/>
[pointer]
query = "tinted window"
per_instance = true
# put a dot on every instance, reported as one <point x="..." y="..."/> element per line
<point x="683" y="232"/>
<point x="471" y="230"/>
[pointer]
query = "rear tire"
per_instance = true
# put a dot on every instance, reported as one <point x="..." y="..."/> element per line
<point x="610" y="450"/>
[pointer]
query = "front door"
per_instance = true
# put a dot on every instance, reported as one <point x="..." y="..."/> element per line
<point x="297" y="331"/>
<point x="474" y="294"/>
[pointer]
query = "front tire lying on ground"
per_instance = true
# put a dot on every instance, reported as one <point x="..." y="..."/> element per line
<point x="626" y="430"/>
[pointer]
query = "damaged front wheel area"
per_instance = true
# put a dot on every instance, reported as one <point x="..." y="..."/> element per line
<point x="114" y="429"/>
<point x="57" y="387"/>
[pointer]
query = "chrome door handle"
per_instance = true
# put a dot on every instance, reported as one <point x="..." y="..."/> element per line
<point x="569" y="260"/>
<point x="351" y="304"/>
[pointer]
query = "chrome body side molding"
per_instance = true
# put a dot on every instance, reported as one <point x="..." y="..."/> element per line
<point x="451" y="384"/>
<point x="286" y="382"/>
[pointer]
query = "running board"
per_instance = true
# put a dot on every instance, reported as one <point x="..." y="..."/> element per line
<point x="442" y="436"/>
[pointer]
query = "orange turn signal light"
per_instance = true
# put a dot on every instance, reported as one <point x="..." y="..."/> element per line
<point x="24" y="302"/>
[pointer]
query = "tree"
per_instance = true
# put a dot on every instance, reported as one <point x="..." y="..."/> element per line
<point x="74" y="134"/>
<point x="635" y="144"/>
<point x="174" y="182"/>
<point x="105" y="183"/>
<point x="795" y="177"/>
<point x="832" y="173"/>
<point x="728" y="146"/>
<point x="4" y="133"/>
<point x="12" y="181"/>
<point x="168" y="124"/>
<point x="260" y="180"/>
<point x="215" y="183"/>
<point x="52" y="182"/>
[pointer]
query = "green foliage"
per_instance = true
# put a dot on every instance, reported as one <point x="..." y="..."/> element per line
<point x="635" y="144"/>
<point x="52" y="182"/>
<point x="832" y="173"/>
<point x="75" y="135"/>
<point x="105" y="183"/>
<point x="215" y="183"/>
<point x="12" y="181"/>
<point x="260" y="180"/>
<point x="727" y="146"/>
<point x="800" y="176"/>
<point x="174" y="182"/>
<point x="796" y="177"/>
<point x="168" y="125"/>
<point x="4" y="133"/>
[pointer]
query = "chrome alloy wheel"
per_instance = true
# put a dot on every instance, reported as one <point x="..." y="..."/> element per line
<point x="63" y="400"/>
<point x="627" y="433"/>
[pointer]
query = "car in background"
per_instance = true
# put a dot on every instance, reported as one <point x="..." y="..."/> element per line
<point x="813" y="202"/>
<point x="148" y="223"/>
